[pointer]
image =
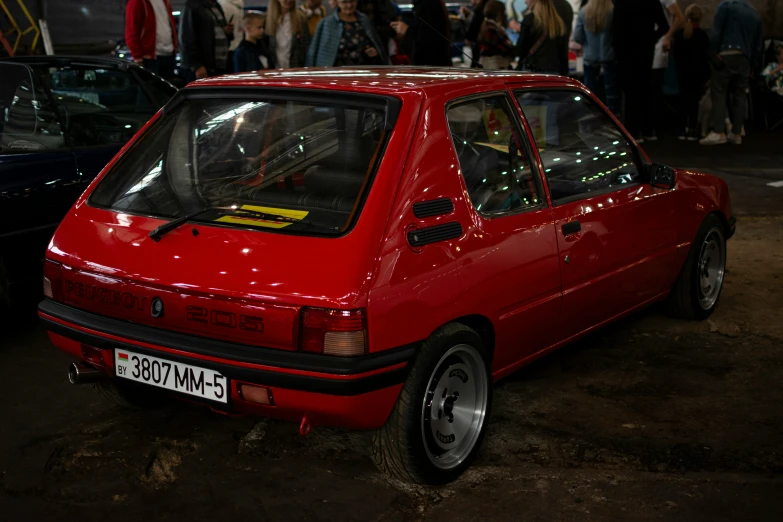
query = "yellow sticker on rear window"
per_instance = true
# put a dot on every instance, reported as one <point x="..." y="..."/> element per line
<point x="253" y="222"/>
<point x="284" y="212"/>
<point x="291" y="217"/>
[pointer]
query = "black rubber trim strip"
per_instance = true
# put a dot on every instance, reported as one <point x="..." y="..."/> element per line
<point x="572" y="227"/>
<point x="425" y="236"/>
<point x="435" y="207"/>
<point x="250" y="375"/>
<point x="214" y="348"/>
<point x="732" y="227"/>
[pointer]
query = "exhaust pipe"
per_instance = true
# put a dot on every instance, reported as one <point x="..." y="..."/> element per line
<point x="80" y="373"/>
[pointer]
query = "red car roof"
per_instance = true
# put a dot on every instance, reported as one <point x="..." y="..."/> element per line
<point x="384" y="80"/>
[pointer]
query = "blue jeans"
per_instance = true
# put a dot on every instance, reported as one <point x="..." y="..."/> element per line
<point x="611" y="96"/>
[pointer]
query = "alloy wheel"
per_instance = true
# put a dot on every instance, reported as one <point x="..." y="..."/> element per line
<point x="455" y="406"/>
<point x="711" y="268"/>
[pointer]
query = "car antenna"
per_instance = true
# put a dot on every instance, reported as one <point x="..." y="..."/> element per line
<point x="472" y="61"/>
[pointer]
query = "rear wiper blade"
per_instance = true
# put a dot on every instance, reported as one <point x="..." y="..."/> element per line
<point x="165" y="228"/>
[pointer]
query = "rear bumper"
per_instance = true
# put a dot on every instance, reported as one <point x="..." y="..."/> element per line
<point x="351" y="392"/>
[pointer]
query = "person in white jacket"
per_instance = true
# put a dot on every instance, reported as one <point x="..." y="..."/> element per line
<point x="234" y="11"/>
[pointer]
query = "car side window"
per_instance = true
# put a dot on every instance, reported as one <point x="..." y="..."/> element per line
<point x="28" y="120"/>
<point x="101" y="106"/>
<point x="582" y="150"/>
<point x="496" y="170"/>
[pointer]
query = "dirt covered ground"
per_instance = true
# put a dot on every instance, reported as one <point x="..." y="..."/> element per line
<point x="650" y="419"/>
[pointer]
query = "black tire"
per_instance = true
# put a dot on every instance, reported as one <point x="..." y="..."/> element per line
<point x="128" y="395"/>
<point x="400" y="447"/>
<point x="686" y="299"/>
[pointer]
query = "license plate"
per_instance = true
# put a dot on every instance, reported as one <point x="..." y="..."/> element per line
<point x="178" y="377"/>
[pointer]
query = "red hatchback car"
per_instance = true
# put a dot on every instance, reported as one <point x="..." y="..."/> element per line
<point x="371" y="249"/>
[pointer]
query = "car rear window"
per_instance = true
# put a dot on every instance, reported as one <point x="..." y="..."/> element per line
<point x="268" y="164"/>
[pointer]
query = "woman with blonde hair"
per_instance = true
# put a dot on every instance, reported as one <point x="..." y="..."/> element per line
<point x="691" y="48"/>
<point x="540" y="37"/>
<point x="289" y="34"/>
<point x="594" y="32"/>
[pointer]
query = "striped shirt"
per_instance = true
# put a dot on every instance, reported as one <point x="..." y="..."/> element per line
<point x="221" y="40"/>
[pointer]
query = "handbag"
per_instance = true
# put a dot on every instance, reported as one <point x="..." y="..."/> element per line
<point x="524" y="64"/>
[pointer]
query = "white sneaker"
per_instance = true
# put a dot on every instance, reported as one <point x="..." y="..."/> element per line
<point x="735" y="139"/>
<point x="682" y="137"/>
<point x="713" y="138"/>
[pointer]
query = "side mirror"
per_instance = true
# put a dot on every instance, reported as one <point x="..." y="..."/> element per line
<point x="662" y="176"/>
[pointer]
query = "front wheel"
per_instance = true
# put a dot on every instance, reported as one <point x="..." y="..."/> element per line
<point x="698" y="287"/>
<point x="440" y="418"/>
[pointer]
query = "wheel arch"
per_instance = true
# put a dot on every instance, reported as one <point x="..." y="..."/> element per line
<point x="480" y="324"/>
<point x="723" y="218"/>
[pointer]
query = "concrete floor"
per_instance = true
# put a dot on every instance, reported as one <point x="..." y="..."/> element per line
<point x="649" y="419"/>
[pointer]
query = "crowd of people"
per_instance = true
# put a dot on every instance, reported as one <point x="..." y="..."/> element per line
<point x="626" y="47"/>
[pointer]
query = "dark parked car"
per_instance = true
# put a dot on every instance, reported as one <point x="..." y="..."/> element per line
<point x="61" y="120"/>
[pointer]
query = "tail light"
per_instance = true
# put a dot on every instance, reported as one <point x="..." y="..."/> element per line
<point x="53" y="280"/>
<point x="334" y="332"/>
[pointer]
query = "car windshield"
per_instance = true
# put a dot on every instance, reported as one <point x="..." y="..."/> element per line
<point x="289" y="166"/>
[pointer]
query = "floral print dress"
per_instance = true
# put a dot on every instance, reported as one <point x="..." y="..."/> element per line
<point x="352" y="45"/>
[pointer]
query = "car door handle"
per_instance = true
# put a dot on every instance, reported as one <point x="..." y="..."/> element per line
<point x="572" y="227"/>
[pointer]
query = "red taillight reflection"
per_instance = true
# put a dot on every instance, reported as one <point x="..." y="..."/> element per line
<point x="333" y="332"/>
<point x="53" y="280"/>
<point x="256" y="394"/>
<point x="93" y="356"/>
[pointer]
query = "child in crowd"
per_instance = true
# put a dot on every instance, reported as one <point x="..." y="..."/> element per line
<point x="690" y="48"/>
<point x="248" y="56"/>
<point x="497" y="51"/>
<point x="773" y="73"/>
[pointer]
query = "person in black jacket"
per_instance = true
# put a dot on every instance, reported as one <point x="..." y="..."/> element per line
<point x="539" y="46"/>
<point x="428" y="39"/>
<point x="247" y="57"/>
<point x="637" y="26"/>
<point x="691" y="48"/>
<point x="566" y="12"/>
<point x="204" y="36"/>
<point x="381" y="13"/>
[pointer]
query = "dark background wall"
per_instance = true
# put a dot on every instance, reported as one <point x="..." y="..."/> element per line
<point x="84" y="21"/>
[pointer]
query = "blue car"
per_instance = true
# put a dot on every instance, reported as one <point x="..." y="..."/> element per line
<point x="61" y="120"/>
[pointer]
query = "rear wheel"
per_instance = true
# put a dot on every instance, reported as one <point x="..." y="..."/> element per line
<point x="440" y="418"/>
<point x="698" y="287"/>
<point x="129" y="395"/>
